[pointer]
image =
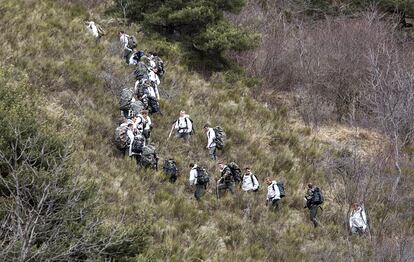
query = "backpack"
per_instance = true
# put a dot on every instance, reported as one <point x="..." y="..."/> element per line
<point x="159" y="65"/>
<point x="121" y="137"/>
<point x="235" y="171"/>
<point x="146" y="61"/>
<point x="142" y="87"/>
<point x="149" y="157"/>
<point x="136" y="107"/>
<point x="154" y="106"/>
<point x="170" y="169"/>
<point x="186" y="125"/>
<point x="281" y="187"/>
<point x="220" y="137"/>
<point x="132" y="42"/>
<point x="137" y="145"/>
<point x="125" y="99"/>
<point x="202" y="176"/>
<point x="317" y="197"/>
<point x="141" y="71"/>
<point x="251" y="177"/>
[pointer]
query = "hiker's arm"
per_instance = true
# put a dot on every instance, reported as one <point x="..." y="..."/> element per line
<point x="189" y="126"/>
<point x="192" y="178"/>
<point x="256" y="183"/>
<point x="157" y="93"/>
<point x="211" y="137"/>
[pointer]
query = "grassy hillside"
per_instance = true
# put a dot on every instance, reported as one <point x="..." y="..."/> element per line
<point x="80" y="81"/>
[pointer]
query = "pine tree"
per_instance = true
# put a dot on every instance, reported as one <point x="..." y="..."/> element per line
<point x="198" y="23"/>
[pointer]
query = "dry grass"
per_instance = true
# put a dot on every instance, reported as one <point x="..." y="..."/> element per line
<point x="81" y="81"/>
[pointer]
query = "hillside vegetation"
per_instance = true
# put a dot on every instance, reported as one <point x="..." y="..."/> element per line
<point x="59" y="90"/>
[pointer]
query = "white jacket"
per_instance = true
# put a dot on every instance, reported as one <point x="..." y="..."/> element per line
<point x="273" y="191"/>
<point x="358" y="219"/>
<point x="193" y="175"/>
<point x="153" y="92"/>
<point x="211" y="136"/>
<point x="124" y="41"/>
<point x="152" y="62"/>
<point x="250" y="182"/>
<point x="183" y="124"/>
<point x="154" y="77"/>
<point x="92" y="28"/>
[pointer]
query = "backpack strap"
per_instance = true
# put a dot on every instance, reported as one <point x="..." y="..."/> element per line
<point x="251" y="177"/>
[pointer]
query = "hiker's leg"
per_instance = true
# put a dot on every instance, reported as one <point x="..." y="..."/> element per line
<point x="186" y="137"/>
<point x="199" y="192"/>
<point x="230" y="187"/>
<point x="275" y="204"/>
<point x="313" y="212"/>
<point x="173" y="178"/>
<point x="126" y="55"/>
<point x="220" y="188"/>
<point x="212" y="152"/>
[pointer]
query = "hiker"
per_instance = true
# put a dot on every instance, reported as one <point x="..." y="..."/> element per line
<point x="153" y="77"/>
<point x="130" y="134"/>
<point x="159" y="64"/>
<point x="184" y="126"/>
<point x="226" y="181"/>
<point x="273" y="194"/>
<point x="313" y="199"/>
<point x="121" y="138"/>
<point x="170" y="169"/>
<point x="95" y="29"/>
<point x="151" y="97"/>
<point x="250" y="182"/>
<point x="144" y="125"/>
<point x="198" y="178"/>
<point x="358" y="222"/>
<point x="126" y="43"/>
<point x="211" y="141"/>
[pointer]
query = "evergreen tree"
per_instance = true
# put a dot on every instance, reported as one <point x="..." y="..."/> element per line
<point x="199" y="23"/>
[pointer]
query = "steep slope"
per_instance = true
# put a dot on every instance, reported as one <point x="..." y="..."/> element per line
<point x="82" y="79"/>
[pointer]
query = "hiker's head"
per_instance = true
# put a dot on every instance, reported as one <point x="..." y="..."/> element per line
<point x="248" y="170"/>
<point x="355" y="206"/>
<point x="221" y="165"/>
<point x="310" y="186"/>
<point x="182" y="113"/>
<point x="268" y="180"/>
<point x="206" y="127"/>
<point x="121" y="33"/>
<point x="191" y="165"/>
<point x="144" y="113"/>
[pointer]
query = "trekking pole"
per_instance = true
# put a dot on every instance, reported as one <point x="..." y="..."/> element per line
<point x="172" y="128"/>
<point x="217" y="190"/>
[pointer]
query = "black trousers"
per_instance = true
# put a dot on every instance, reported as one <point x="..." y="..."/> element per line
<point x="199" y="192"/>
<point x="313" y="211"/>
